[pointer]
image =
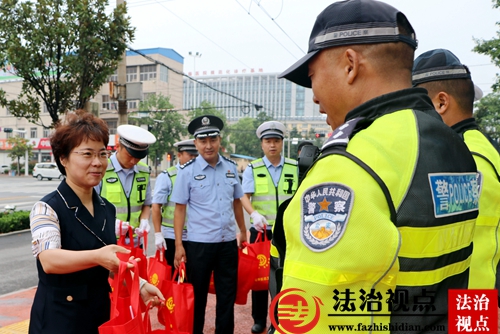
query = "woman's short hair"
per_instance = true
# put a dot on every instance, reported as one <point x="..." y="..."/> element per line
<point x="77" y="127"/>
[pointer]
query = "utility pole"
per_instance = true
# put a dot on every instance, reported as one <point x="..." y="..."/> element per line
<point x="194" y="55"/>
<point x="122" y="84"/>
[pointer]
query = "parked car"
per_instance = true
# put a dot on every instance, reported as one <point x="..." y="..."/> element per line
<point x="47" y="170"/>
<point x="4" y="169"/>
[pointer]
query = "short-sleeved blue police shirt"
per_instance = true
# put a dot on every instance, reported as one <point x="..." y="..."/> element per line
<point x="209" y="194"/>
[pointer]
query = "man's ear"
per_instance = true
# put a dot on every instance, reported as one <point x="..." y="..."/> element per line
<point x="441" y="102"/>
<point x="351" y="60"/>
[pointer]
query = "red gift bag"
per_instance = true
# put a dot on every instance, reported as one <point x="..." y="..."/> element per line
<point x="158" y="269"/>
<point x="170" y="325"/>
<point x="126" y="316"/>
<point x="247" y="272"/>
<point x="137" y="252"/>
<point x="179" y="297"/>
<point x="262" y="250"/>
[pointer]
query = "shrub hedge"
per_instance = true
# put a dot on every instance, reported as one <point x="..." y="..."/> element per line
<point x="15" y="221"/>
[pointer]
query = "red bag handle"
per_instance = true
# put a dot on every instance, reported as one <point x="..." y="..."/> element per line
<point x="181" y="272"/>
<point x="260" y="237"/>
<point x="124" y="280"/>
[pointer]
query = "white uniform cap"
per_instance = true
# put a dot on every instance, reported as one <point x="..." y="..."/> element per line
<point x="271" y="129"/>
<point x="136" y="140"/>
<point x="186" y="146"/>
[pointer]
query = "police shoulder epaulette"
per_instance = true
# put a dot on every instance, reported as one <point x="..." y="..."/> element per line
<point x="172" y="172"/>
<point x="232" y="161"/>
<point x="143" y="168"/>
<point x="257" y="163"/>
<point x="291" y="161"/>
<point x="187" y="163"/>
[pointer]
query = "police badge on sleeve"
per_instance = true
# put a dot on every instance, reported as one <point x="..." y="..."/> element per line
<point x="325" y="213"/>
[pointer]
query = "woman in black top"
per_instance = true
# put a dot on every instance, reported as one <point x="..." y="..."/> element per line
<point x="73" y="235"/>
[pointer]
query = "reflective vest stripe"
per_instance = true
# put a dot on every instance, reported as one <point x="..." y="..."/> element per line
<point x="430" y="277"/>
<point x="439" y="240"/>
<point x="267" y="197"/>
<point x="167" y="217"/>
<point x="330" y="277"/>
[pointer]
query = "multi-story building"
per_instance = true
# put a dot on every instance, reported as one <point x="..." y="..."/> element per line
<point x="281" y="99"/>
<point x="149" y="69"/>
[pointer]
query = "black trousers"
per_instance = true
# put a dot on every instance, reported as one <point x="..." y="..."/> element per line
<point x="222" y="259"/>
<point x="260" y="299"/>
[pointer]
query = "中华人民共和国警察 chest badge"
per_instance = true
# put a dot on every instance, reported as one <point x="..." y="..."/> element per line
<point x="325" y="213"/>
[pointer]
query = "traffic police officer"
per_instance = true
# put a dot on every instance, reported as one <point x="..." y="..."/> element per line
<point x="210" y="189"/>
<point x="163" y="218"/>
<point x="452" y="91"/>
<point x="268" y="181"/>
<point x="375" y="212"/>
<point x="126" y="182"/>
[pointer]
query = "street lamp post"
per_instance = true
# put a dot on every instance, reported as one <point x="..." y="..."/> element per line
<point x="194" y="55"/>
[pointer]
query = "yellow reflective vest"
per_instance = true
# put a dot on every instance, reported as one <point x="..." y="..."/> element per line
<point x="168" y="210"/>
<point x="486" y="253"/>
<point x="373" y="237"/>
<point x="127" y="209"/>
<point x="267" y="197"/>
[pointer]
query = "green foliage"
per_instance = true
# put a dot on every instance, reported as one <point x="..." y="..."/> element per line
<point x="15" y="221"/>
<point x="243" y="135"/>
<point x="19" y="148"/>
<point x="64" y="50"/>
<point x="491" y="48"/>
<point x="167" y="126"/>
<point x="207" y="108"/>
<point x="487" y="114"/>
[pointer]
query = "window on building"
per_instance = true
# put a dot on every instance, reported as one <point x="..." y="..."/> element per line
<point x="147" y="95"/>
<point x="112" y="125"/>
<point x="33" y="132"/>
<point x="46" y="132"/>
<point x="163" y="73"/>
<point x="132" y="104"/>
<point x="148" y="72"/>
<point x="114" y="76"/>
<point x="108" y="104"/>
<point x="21" y="134"/>
<point x="131" y="73"/>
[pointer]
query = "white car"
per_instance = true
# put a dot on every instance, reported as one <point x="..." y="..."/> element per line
<point x="4" y="169"/>
<point x="47" y="170"/>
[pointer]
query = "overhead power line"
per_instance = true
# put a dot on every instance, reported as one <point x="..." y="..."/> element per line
<point x="256" y="106"/>
<point x="277" y="40"/>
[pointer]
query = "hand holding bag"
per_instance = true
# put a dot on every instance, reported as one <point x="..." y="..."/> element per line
<point x="158" y="269"/>
<point x="136" y="252"/>
<point x="179" y="297"/>
<point x="126" y="316"/>
<point x="262" y="250"/>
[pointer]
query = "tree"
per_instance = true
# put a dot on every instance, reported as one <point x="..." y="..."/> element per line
<point x="19" y="148"/>
<point x="243" y="135"/>
<point x="207" y="108"/>
<point x="487" y="114"/>
<point x="491" y="48"/>
<point x="167" y="126"/>
<point x="64" y="50"/>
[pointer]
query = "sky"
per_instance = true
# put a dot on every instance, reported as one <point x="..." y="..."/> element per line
<point x="270" y="35"/>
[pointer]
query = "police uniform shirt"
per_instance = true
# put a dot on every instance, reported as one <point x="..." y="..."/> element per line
<point x="274" y="171"/>
<point x="126" y="179"/>
<point x="209" y="194"/>
<point x="163" y="188"/>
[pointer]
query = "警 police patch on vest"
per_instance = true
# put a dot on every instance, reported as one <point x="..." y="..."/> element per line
<point x="325" y="213"/>
<point x="456" y="193"/>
